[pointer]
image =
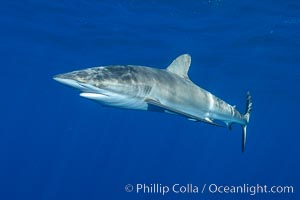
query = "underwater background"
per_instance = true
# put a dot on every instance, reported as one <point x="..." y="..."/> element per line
<point x="57" y="145"/>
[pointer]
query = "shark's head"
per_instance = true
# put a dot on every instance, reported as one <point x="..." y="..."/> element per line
<point x="111" y="85"/>
<point x="87" y="80"/>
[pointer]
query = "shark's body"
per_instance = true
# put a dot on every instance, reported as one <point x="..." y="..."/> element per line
<point x="163" y="90"/>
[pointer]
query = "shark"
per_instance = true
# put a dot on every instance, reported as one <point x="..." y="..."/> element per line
<point x="168" y="90"/>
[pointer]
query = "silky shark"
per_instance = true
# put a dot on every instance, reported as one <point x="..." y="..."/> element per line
<point x="162" y="90"/>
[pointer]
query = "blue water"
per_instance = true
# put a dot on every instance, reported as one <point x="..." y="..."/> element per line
<point x="57" y="145"/>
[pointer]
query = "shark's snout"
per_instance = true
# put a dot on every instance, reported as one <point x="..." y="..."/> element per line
<point x="59" y="79"/>
<point x="69" y="81"/>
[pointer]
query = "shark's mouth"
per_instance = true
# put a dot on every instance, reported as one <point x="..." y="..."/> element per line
<point x="87" y="88"/>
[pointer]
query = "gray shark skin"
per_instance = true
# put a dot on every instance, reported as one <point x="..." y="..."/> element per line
<point x="161" y="90"/>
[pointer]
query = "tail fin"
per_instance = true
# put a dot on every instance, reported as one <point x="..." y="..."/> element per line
<point x="247" y="118"/>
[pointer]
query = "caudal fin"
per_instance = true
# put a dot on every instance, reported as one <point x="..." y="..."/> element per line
<point x="247" y="118"/>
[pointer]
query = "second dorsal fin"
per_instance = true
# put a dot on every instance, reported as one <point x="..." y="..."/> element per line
<point x="180" y="66"/>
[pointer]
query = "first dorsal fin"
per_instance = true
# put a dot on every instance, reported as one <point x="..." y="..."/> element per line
<point x="180" y="66"/>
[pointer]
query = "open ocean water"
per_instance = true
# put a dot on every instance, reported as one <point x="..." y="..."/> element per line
<point x="57" y="145"/>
